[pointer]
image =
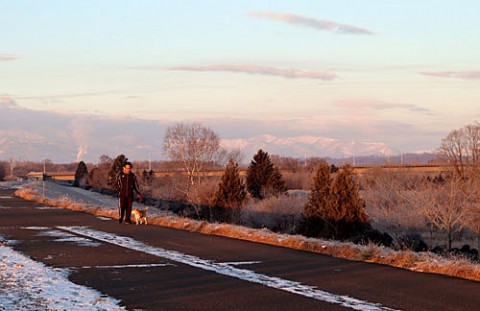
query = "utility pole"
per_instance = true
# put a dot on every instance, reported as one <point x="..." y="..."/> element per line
<point x="353" y="154"/>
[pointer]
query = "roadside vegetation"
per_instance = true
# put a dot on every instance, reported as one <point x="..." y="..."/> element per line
<point x="402" y="218"/>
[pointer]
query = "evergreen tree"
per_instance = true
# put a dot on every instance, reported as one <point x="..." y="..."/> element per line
<point x="319" y="197"/>
<point x="3" y="171"/>
<point x="231" y="190"/>
<point x="318" y="204"/>
<point x="334" y="208"/>
<point x="81" y="174"/>
<point x="116" y="168"/>
<point x="263" y="179"/>
<point x="347" y="215"/>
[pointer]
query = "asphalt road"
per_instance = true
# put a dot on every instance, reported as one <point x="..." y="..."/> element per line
<point x="157" y="268"/>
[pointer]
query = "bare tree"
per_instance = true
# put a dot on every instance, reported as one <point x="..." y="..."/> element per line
<point x="195" y="145"/>
<point x="235" y="154"/>
<point x="454" y="149"/>
<point x="389" y="202"/>
<point x="446" y="206"/>
<point x="461" y="147"/>
<point x="472" y="133"/>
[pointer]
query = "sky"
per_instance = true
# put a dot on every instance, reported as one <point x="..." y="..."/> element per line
<point x="404" y="73"/>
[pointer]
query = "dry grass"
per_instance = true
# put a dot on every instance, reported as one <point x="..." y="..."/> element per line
<point x="281" y="214"/>
<point x="420" y="262"/>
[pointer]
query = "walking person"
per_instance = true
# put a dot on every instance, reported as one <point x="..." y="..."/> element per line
<point x="126" y="183"/>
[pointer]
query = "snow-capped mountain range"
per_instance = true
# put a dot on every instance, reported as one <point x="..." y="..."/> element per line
<point x="307" y="146"/>
<point x="65" y="148"/>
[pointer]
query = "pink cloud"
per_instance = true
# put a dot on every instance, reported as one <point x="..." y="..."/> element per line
<point x="6" y="57"/>
<point x="467" y="75"/>
<point x="379" y="105"/>
<point x="262" y="70"/>
<point x="131" y="97"/>
<point x="311" y="22"/>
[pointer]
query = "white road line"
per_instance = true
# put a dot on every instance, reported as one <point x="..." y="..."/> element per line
<point x="242" y="274"/>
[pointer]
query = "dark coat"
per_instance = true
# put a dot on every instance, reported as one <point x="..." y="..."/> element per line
<point x="126" y="184"/>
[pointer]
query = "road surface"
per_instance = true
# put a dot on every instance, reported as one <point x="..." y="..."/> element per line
<point x="157" y="268"/>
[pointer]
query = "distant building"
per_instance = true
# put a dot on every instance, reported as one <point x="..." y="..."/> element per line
<point x="65" y="176"/>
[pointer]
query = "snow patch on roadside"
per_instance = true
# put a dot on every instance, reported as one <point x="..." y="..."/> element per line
<point x="104" y="218"/>
<point x="31" y="286"/>
<point x="152" y="265"/>
<point x="47" y="207"/>
<point x="35" y="228"/>
<point x="62" y="236"/>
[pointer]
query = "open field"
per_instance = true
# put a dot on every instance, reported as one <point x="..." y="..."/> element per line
<point x="360" y="169"/>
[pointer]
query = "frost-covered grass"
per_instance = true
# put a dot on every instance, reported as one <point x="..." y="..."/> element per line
<point x="422" y="262"/>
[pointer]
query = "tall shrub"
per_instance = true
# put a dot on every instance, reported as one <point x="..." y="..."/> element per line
<point x="231" y="191"/>
<point x="116" y="168"/>
<point x="318" y="204"/>
<point x="81" y="174"/>
<point x="3" y="171"/>
<point x="263" y="178"/>
<point x="347" y="215"/>
<point x="334" y="208"/>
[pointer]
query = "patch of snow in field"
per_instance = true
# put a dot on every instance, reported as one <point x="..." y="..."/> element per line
<point x="31" y="286"/>
<point x="62" y="236"/>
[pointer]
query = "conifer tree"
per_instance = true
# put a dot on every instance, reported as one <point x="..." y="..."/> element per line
<point x="81" y="174"/>
<point x="319" y="197"/>
<point x="334" y="208"/>
<point x="263" y="179"/>
<point x="116" y="168"/>
<point x="231" y="190"/>
<point x="347" y="215"/>
<point x="3" y="171"/>
<point x="318" y="204"/>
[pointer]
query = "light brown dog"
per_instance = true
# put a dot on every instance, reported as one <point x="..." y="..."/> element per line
<point x="140" y="215"/>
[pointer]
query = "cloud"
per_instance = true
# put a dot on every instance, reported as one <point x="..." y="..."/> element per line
<point x="7" y="101"/>
<point x="262" y="70"/>
<point x="5" y="57"/>
<point x="132" y="97"/>
<point x="311" y="22"/>
<point x="379" y="105"/>
<point x="466" y="75"/>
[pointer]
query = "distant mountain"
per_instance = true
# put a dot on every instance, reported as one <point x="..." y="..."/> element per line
<point x="70" y="146"/>
<point x="308" y="146"/>
<point x="35" y="136"/>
